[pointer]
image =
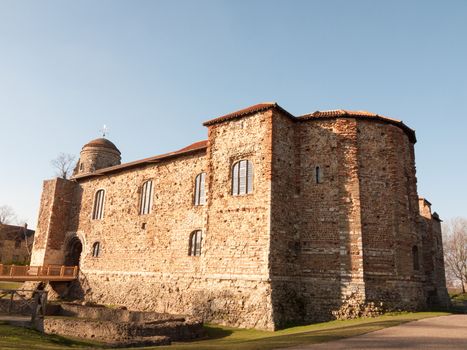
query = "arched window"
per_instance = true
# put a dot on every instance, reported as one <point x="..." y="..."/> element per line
<point x="96" y="249"/>
<point x="415" y="259"/>
<point x="98" y="211"/>
<point x="200" y="194"/>
<point x="242" y="178"/>
<point x="318" y="175"/>
<point x="146" y="198"/>
<point x="195" y="243"/>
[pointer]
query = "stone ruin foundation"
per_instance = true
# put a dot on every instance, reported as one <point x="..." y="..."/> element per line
<point x="120" y="327"/>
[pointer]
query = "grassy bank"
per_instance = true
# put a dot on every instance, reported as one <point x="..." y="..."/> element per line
<point x="16" y="338"/>
<point x="10" y="285"/>
<point x="225" y="338"/>
<point x="229" y="338"/>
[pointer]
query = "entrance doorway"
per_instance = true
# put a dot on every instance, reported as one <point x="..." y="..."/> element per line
<point x="73" y="252"/>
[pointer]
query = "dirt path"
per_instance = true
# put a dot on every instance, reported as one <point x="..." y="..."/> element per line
<point x="443" y="333"/>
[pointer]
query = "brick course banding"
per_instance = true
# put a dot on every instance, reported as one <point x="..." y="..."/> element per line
<point x="292" y="251"/>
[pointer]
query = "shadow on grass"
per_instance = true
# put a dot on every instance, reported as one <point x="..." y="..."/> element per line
<point x="217" y="333"/>
<point x="320" y="336"/>
<point x="255" y="340"/>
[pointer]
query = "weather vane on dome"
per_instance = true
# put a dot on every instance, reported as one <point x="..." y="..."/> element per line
<point x="104" y="130"/>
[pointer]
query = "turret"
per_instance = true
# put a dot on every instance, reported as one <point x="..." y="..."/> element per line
<point x="97" y="154"/>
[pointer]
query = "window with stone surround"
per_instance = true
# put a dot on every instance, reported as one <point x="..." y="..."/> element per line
<point x="242" y="178"/>
<point x="318" y="175"/>
<point x="415" y="258"/>
<point x="98" y="210"/>
<point x="146" y="198"/>
<point x="195" y="243"/>
<point x="200" y="193"/>
<point x="96" y="249"/>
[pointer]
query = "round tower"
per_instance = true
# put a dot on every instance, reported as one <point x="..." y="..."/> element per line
<point x="97" y="154"/>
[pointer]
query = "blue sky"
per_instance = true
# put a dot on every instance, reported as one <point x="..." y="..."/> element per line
<point x="153" y="71"/>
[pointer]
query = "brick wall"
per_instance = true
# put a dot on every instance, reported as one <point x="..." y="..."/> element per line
<point x="289" y="252"/>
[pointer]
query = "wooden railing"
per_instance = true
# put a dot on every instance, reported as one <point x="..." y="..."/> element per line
<point x="24" y="302"/>
<point x="38" y="273"/>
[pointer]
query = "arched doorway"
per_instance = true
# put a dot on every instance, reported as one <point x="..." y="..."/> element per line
<point x="73" y="252"/>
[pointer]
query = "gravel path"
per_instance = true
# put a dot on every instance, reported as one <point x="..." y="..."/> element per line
<point x="443" y="333"/>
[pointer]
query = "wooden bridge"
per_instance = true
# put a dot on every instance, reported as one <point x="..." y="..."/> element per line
<point x="16" y="273"/>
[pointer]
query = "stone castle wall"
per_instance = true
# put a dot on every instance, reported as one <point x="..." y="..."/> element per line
<point x="292" y="251"/>
<point x="349" y="235"/>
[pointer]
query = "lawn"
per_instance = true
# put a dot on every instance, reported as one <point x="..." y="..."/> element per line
<point x="12" y="338"/>
<point x="16" y="338"/>
<point x="10" y="285"/>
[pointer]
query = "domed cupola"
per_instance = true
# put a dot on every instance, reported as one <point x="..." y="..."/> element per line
<point x="97" y="154"/>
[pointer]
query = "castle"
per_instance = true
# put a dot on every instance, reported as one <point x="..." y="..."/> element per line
<point x="274" y="219"/>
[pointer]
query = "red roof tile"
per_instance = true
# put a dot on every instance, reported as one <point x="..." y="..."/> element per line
<point x="101" y="142"/>
<point x="193" y="148"/>
<point x="336" y="113"/>
<point x="246" y="111"/>
<point x="202" y="145"/>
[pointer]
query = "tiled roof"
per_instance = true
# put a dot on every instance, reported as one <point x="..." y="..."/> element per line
<point x="246" y="111"/>
<point x="202" y="145"/>
<point x="343" y="113"/>
<point x="101" y="142"/>
<point x="193" y="148"/>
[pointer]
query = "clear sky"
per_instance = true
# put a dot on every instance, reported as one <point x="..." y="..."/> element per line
<point x="153" y="71"/>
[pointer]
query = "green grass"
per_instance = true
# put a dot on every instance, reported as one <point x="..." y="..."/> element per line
<point x="225" y="338"/>
<point x="10" y="285"/>
<point x="16" y="338"/>
<point x="459" y="297"/>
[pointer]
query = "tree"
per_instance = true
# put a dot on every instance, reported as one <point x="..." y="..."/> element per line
<point x="7" y="215"/>
<point x="63" y="165"/>
<point x="455" y="250"/>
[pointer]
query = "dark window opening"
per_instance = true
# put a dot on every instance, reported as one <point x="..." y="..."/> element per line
<point x="318" y="175"/>
<point x="200" y="193"/>
<point x="195" y="243"/>
<point x="98" y="211"/>
<point x="415" y="258"/>
<point x="96" y="250"/>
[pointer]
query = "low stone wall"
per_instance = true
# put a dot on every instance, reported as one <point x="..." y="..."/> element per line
<point x="238" y="303"/>
<point x="117" y="332"/>
<point x="102" y="313"/>
<point x="120" y="327"/>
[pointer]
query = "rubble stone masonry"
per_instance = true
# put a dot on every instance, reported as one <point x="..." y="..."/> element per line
<point x="333" y="215"/>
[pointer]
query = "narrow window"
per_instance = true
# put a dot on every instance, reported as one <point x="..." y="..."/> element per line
<point x="195" y="243"/>
<point x="17" y="244"/>
<point x="416" y="262"/>
<point x="96" y="249"/>
<point x="146" y="198"/>
<point x="242" y="178"/>
<point x="81" y="166"/>
<point x="200" y="194"/>
<point x="98" y="211"/>
<point x="318" y="175"/>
